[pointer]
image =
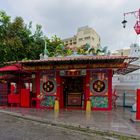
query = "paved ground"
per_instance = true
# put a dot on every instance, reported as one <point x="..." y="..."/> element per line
<point x="115" y="121"/>
<point x="13" y="128"/>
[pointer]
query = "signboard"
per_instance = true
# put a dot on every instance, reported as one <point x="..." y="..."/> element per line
<point x="73" y="72"/>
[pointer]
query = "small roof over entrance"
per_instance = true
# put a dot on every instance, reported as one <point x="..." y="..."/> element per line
<point x="14" y="67"/>
<point x="11" y="72"/>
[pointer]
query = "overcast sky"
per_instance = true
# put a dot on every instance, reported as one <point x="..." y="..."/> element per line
<point x="63" y="17"/>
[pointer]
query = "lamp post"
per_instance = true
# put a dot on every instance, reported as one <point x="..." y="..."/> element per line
<point x="137" y="16"/>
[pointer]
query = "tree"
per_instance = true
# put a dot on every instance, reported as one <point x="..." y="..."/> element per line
<point x="55" y="47"/>
<point x="18" y="42"/>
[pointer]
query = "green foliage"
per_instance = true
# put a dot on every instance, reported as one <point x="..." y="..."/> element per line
<point x="68" y="52"/>
<point x="18" y="42"/>
<point x="55" y="46"/>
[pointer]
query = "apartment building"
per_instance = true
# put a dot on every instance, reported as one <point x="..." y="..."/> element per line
<point x="84" y="35"/>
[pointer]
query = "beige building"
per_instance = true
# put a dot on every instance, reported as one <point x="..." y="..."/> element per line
<point x="84" y="35"/>
<point x="122" y="52"/>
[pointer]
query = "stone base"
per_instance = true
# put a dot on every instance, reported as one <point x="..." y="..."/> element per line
<point x="133" y="119"/>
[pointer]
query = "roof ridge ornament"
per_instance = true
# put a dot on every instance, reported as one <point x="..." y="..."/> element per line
<point x="45" y="53"/>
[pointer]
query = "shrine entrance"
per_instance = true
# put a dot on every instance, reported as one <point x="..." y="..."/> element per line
<point x="73" y="92"/>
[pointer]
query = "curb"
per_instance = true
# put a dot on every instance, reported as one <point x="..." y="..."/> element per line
<point x="75" y="127"/>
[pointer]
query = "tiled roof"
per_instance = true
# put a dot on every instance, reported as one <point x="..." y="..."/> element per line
<point x="81" y="59"/>
<point x="14" y="67"/>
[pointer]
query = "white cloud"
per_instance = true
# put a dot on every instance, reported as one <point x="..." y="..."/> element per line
<point x="63" y="17"/>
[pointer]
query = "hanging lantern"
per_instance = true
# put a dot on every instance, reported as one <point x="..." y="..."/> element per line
<point x="137" y="27"/>
<point x="124" y="23"/>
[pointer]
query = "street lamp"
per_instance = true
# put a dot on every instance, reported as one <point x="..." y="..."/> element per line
<point x="124" y="23"/>
<point x="137" y="24"/>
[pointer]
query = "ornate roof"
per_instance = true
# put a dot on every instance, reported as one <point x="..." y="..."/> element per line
<point x="120" y="64"/>
<point x="83" y="59"/>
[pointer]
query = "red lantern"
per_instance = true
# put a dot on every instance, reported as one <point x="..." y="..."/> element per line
<point x="137" y="27"/>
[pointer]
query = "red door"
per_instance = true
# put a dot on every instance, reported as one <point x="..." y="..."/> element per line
<point x="25" y="98"/>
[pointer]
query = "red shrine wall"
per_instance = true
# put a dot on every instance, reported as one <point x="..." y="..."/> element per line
<point x="72" y="88"/>
<point x="96" y="87"/>
<point x="100" y="89"/>
<point x="49" y="90"/>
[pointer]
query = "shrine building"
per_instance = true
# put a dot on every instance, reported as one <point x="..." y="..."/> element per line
<point x="71" y="81"/>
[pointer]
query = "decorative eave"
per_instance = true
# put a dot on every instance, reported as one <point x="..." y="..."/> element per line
<point x="117" y="63"/>
<point x="130" y="68"/>
<point x="83" y="59"/>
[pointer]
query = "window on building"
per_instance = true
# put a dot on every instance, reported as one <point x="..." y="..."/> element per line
<point x="74" y="42"/>
<point x="74" y="39"/>
<point x="88" y="37"/>
<point x="80" y="39"/>
<point x="86" y="31"/>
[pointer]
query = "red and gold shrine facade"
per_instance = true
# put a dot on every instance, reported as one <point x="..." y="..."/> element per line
<point x="72" y="81"/>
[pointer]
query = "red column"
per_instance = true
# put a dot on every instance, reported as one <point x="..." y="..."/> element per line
<point x="110" y="89"/>
<point x="37" y="76"/>
<point x="58" y="90"/>
<point x="87" y="87"/>
<point x="138" y="105"/>
<point x="84" y="88"/>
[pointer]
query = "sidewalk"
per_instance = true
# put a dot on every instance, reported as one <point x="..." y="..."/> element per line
<point x="116" y="122"/>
